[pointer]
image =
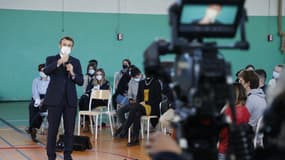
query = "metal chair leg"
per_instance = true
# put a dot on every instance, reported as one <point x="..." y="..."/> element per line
<point x="78" y="125"/>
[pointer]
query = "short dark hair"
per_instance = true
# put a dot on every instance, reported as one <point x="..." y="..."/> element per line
<point x="135" y="71"/>
<point x="66" y="38"/>
<point x="93" y="61"/>
<point x="261" y="73"/>
<point x="250" y="66"/>
<point x="251" y="77"/>
<point x="239" y="93"/>
<point x="40" y="66"/>
<point x="280" y="65"/>
<point x="127" y="60"/>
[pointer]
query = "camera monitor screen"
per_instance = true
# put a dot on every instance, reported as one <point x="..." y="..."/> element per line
<point x="199" y="20"/>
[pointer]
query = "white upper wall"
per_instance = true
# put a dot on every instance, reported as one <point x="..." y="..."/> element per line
<point x="254" y="7"/>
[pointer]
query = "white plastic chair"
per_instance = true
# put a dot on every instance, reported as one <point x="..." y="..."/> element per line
<point x="146" y="119"/>
<point x="116" y="74"/>
<point x="98" y="95"/>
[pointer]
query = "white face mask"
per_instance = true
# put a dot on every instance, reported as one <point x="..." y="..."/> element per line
<point x="211" y="14"/>
<point x="65" y="50"/>
<point x="137" y="79"/>
<point x="42" y="74"/>
<point x="275" y="75"/>
<point x="99" y="77"/>
<point x="91" y="71"/>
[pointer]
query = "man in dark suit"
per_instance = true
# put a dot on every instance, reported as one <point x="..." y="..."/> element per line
<point x="61" y="98"/>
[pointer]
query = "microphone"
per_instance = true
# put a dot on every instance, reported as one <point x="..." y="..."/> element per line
<point x="68" y="62"/>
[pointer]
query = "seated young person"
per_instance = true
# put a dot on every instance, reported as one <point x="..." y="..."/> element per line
<point x="101" y="83"/>
<point x="120" y="95"/>
<point x="88" y="80"/>
<point x="39" y="88"/>
<point x="148" y="99"/>
<point x="132" y="94"/>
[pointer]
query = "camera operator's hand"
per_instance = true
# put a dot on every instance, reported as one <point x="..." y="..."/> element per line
<point x="158" y="142"/>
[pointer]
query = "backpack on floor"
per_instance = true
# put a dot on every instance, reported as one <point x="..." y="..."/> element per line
<point x="80" y="143"/>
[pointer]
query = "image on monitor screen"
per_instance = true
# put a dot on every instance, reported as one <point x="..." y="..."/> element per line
<point x="200" y="14"/>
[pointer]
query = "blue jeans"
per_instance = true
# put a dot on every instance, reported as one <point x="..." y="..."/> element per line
<point x="122" y="100"/>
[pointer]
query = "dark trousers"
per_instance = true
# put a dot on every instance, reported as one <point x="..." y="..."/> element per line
<point x="122" y="111"/>
<point x="35" y="118"/>
<point x="54" y="118"/>
<point x="134" y="118"/>
<point x="84" y="104"/>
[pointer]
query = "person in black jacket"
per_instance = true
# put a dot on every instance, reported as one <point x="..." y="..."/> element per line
<point x="101" y="83"/>
<point x="61" y="97"/>
<point x="120" y="96"/>
<point x="148" y="99"/>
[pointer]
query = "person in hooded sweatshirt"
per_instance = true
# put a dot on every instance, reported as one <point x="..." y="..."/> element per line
<point x="255" y="102"/>
<point x="132" y="94"/>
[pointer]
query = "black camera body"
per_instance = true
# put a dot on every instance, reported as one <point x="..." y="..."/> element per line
<point x="199" y="75"/>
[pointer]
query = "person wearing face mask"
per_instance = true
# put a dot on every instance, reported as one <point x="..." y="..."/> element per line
<point x="275" y="75"/>
<point x="88" y="80"/>
<point x="61" y="97"/>
<point x="132" y="94"/>
<point x="90" y="75"/>
<point x="39" y="88"/>
<point x="120" y="95"/>
<point x="99" y="82"/>
<point x="126" y="63"/>
<point x="147" y="103"/>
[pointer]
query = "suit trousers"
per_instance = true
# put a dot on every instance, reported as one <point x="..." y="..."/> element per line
<point x="54" y="117"/>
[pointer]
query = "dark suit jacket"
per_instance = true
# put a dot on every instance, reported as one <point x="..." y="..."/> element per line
<point x="61" y="82"/>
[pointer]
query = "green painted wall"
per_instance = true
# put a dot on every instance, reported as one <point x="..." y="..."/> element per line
<point x="27" y="37"/>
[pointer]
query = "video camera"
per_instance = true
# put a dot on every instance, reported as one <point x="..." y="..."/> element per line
<point x="199" y="76"/>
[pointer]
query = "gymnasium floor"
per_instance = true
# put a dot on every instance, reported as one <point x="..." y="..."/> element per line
<point x="15" y="144"/>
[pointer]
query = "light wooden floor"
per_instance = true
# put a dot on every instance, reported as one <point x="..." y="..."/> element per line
<point x="15" y="144"/>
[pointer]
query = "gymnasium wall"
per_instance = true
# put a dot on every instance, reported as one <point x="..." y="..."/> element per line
<point x="27" y="37"/>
